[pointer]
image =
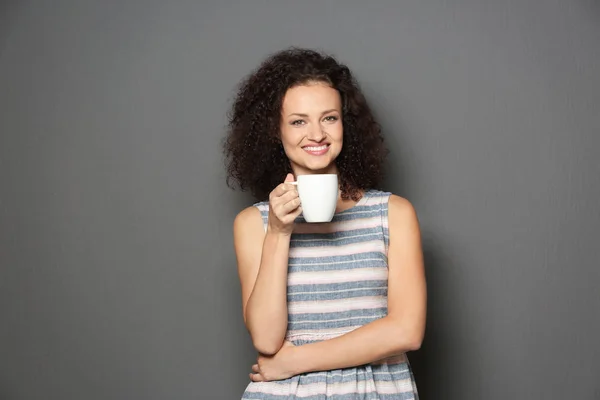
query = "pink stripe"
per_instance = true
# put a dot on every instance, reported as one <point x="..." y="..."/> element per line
<point x="330" y="251"/>
<point x="315" y="334"/>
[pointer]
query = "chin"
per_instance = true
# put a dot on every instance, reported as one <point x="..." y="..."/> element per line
<point x="324" y="168"/>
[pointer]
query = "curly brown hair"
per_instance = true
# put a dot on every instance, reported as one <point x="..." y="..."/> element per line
<point x="255" y="158"/>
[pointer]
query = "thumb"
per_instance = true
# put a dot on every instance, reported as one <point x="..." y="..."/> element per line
<point x="289" y="178"/>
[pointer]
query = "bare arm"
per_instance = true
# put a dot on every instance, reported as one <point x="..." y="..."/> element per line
<point x="262" y="267"/>
<point x="402" y="329"/>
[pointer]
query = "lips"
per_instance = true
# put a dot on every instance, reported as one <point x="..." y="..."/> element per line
<point x="316" y="150"/>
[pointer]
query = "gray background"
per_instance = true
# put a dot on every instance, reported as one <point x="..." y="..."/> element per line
<point x="117" y="274"/>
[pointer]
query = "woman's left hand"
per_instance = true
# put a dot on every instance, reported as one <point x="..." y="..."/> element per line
<point x="275" y="367"/>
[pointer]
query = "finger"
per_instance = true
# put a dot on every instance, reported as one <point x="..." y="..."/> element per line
<point x="289" y="198"/>
<point x="255" y="369"/>
<point x="283" y="210"/>
<point x="291" y="194"/>
<point x="289" y="187"/>
<point x="291" y="205"/>
<point x="288" y="184"/>
<point x="290" y="219"/>
<point x="282" y="189"/>
<point x="256" y="378"/>
<point x="278" y="201"/>
<point x="281" y="201"/>
<point x="289" y="178"/>
<point x="296" y="213"/>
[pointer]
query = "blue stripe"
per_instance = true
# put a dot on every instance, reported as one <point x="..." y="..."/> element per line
<point x="338" y="286"/>
<point x="338" y="266"/>
<point x="298" y="237"/>
<point x="337" y="295"/>
<point x="340" y="314"/>
<point x="342" y="241"/>
<point x="344" y="323"/>
<point x="353" y="258"/>
<point x="373" y="206"/>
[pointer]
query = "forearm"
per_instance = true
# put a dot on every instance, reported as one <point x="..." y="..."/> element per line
<point x="266" y="311"/>
<point x="379" y="339"/>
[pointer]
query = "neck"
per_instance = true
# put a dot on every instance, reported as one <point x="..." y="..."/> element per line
<point x="332" y="169"/>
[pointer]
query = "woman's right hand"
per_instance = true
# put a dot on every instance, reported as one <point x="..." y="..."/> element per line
<point x="284" y="207"/>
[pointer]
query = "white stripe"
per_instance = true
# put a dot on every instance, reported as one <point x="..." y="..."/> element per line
<point x="314" y="321"/>
<point x="341" y="388"/>
<point x="319" y="334"/>
<point x="337" y="276"/>
<point x="338" y="290"/>
<point x="333" y="262"/>
<point x="326" y="306"/>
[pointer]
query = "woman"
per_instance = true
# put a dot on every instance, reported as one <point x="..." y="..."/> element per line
<point x="331" y="308"/>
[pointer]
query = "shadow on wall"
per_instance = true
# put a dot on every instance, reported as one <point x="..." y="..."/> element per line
<point x="432" y="383"/>
<point x="238" y="353"/>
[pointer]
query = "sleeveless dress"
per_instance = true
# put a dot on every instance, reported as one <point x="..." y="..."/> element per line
<point x="337" y="282"/>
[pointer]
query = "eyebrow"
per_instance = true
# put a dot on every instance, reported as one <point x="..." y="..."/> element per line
<point x="306" y="115"/>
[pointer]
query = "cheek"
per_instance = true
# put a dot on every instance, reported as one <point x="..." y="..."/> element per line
<point x="338" y="134"/>
<point x="291" y="137"/>
<point x="288" y="142"/>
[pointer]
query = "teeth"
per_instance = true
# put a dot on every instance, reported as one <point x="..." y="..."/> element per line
<point x="319" y="148"/>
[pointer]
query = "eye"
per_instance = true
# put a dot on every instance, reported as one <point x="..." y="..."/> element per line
<point x="297" y="122"/>
<point x="331" y="118"/>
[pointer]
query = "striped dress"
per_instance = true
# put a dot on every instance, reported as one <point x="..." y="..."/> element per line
<point x="337" y="282"/>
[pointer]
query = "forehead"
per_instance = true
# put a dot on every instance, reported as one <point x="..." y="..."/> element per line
<point x="311" y="96"/>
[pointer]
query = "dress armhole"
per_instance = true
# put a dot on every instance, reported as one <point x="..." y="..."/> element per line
<point x="384" y="222"/>
<point x="264" y="213"/>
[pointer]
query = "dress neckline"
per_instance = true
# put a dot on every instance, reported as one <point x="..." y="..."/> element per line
<point x="359" y="203"/>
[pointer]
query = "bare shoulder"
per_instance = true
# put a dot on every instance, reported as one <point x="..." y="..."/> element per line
<point x="248" y="222"/>
<point x="247" y="215"/>
<point x="402" y="218"/>
<point x="400" y="208"/>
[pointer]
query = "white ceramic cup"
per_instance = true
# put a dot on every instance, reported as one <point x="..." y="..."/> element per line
<point x="318" y="196"/>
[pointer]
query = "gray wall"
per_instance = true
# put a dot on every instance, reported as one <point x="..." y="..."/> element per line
<point x="117" y="274"/>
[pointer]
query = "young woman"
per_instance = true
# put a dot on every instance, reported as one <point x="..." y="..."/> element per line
<point x="332" y="308"/>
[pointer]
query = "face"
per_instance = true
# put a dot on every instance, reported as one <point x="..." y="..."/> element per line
<point x="311" y="128"/>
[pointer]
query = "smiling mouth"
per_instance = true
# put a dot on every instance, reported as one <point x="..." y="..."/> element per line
<point x="316" y="150"/>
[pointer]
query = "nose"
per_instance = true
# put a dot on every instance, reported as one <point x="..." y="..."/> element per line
<point x="316" y="133"/>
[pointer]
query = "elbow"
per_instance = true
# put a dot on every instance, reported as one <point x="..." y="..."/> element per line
<point x="413" y="343"/>
<point x="409" y="337"/>
<point x="414" y="337"/>
<point x="266" y="347"/>
<point x="407" y="343"/>
<point x="266" y="342"/>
